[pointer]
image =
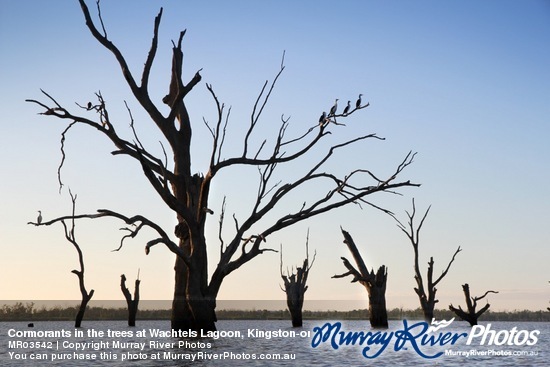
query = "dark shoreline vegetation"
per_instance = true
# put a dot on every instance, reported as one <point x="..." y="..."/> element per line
<point x="28" y="312"/>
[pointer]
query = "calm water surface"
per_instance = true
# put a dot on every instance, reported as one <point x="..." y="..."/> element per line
<point x="298" y="348"/>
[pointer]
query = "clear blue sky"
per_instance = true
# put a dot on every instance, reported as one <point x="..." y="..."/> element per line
<point x="466" y="84"/>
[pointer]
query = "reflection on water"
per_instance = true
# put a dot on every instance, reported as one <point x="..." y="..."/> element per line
<point x="239" y="350"/>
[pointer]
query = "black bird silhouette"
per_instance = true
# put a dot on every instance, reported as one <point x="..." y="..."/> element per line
<point x="346" y="110"/>
<point x="358" y="103"/>
<point x="334" y="108"/>
<point x="323" y="118"/>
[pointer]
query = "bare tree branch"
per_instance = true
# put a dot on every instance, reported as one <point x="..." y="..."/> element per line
<point x="319" y="207"/>
<point x="63" y="156"/>
<point x="133" y="127"/>
<point x="486" y="293"/>
<point x="357" y="277"/>
<point x="448" y="267"/>
<point x="141" y="95"/>
<point x="151" y="54"/>
<point x="138" y="220"/>
<point x="255" y="116"/>
<point x="124" y="146"/>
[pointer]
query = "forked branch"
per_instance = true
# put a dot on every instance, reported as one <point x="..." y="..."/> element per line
<point x="471" y="314"/>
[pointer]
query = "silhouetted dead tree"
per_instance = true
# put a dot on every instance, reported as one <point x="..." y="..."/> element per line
<point x="426" y="295"/>
<point x="471" y="303"/>
<point x="374" y="283"/>
<point x="132" y="303"/>
<point x="70" y="236"/>
<point x="296" y="287"/>
<point x="187" y="194"/>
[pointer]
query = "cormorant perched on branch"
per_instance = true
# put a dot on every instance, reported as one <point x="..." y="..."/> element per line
<point x="334" y="108"/>
<point x="323" y="118"/>
<point x="358" y="103"/>
<point x="347" y="108"/>
<point x="39" y="219"/>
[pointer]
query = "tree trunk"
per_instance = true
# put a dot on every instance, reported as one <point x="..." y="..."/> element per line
<point x="181" y="313"/>
<point x="82" y="309"/>
<point x="191" y="310"/>
<point x="296" y="315"/>
<point x="378" y="315"/>
<point x="198" y="310"/>
<point x="427" y="302"/>
<point x="132" y="313"/>
<point x="192" y="307"/>
<point x="132" y="304"/>
<point x="295" y="302"/>
<point x="428" y="313"/>
<point x="375" y="284"/>
<point x="296" y="286"/>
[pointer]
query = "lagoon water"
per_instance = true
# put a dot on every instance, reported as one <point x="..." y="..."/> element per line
<point x="297" y="349"/>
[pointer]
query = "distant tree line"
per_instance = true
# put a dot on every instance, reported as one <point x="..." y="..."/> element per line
<point x="28" y="312"/>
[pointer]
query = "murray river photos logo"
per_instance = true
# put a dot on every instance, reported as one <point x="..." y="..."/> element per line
<point x="418" y="337"/>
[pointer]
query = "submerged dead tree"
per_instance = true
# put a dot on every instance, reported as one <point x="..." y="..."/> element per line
<point x="70" y="236"/>
<point x="132" y="303"/>
<point x="374" y="283"/>
<point x="296" y="287"/>
<point x="471" y="315"/>
<point x="426" y="294"/>
<point x="187" y="194"/>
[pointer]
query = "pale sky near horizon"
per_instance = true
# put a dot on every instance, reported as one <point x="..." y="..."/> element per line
<point x="466" y="84"/>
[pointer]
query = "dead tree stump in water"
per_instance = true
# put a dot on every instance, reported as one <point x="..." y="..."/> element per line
<point x="132" y="303"/>
<point x="471" y="303"/>
<point x="295" y="286"/>
<point x="374" y="283"/>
